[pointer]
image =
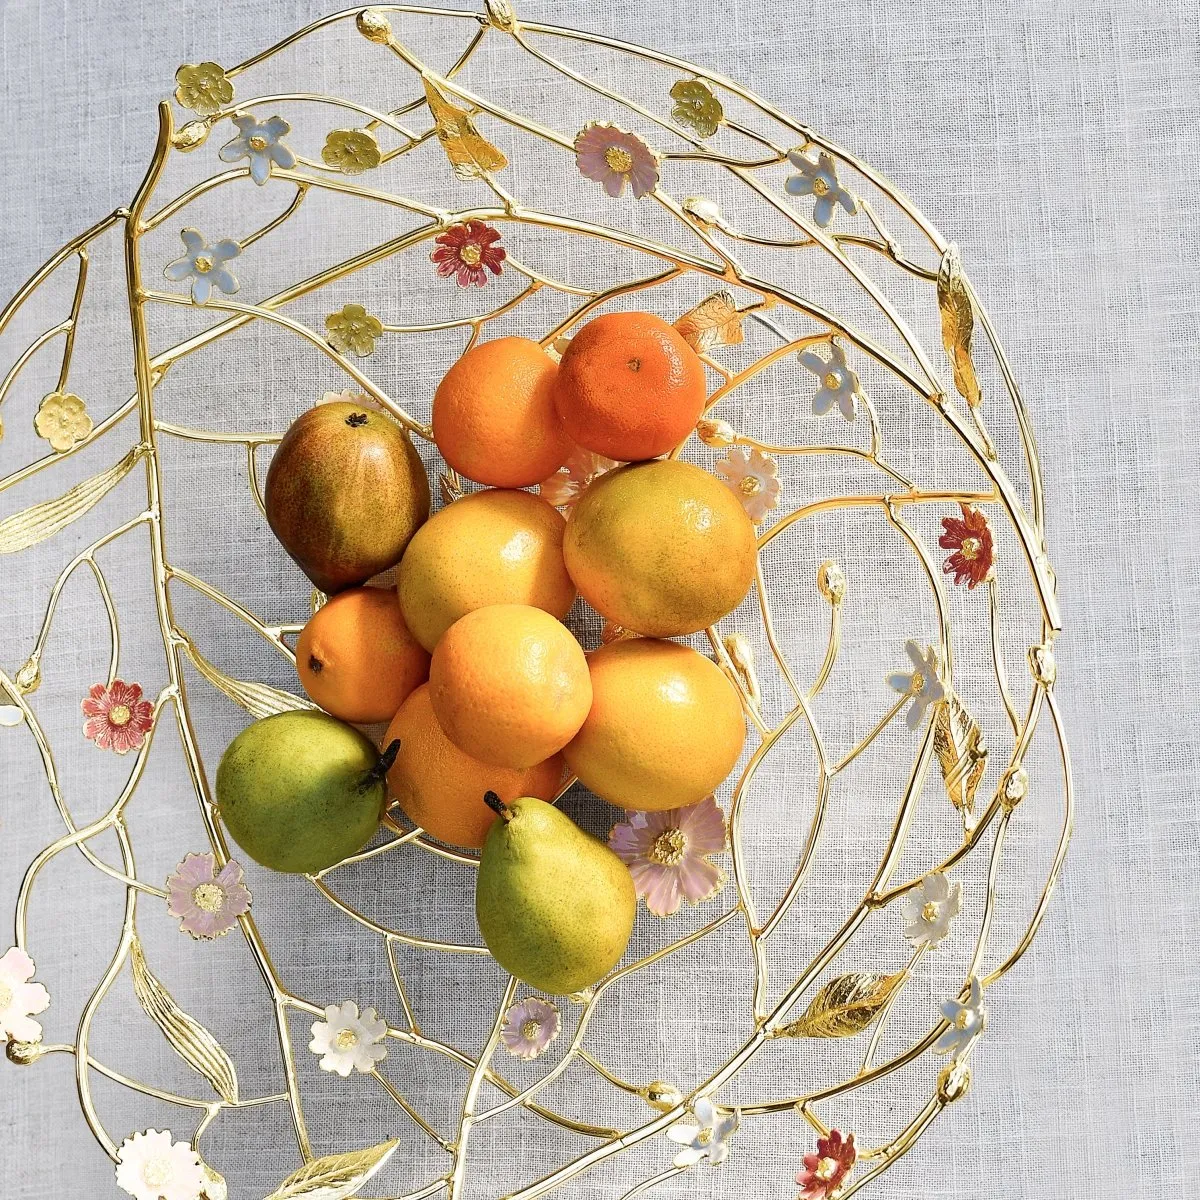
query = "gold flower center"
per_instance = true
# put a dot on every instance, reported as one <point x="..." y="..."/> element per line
<point x="208" y="897"/>
<point x="930" y="911"/>
<point x="970" y="548"/>
<point x="156" y="1172"/>
<point x="962" y="1020"/>
<point x="917" y="684"/>
<point x="257" y="142"/>
<point x="820" y="187"/>
<point x="6" y="995"/>
<point x="119" y="714"/>
<point x="668" y="848"/>
<point x="346" y="1039"/>
<point x="203" y="263"/>
<point x="530" y="1030"/>
<point x="704" y="1136"/>
<point x="827" y="1168"/>
<point x="619" y="159"/>
<point x="751" y="485"/>
<point x="471" y="254"/>
<point x="833" y="381"/>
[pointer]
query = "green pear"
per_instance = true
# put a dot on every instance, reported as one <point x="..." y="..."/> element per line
<point x="554" y="904"/>
<point x="300" y="791"/>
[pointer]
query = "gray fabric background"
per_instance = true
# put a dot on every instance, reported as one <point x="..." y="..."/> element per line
<point x="1057" y="143"/>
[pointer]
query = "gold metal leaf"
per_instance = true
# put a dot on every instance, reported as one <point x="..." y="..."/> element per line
<point x="741" y="654"/>
<point x="450" y="489"/>
<point x="958" y="323"/>
<point x="337" y="1177"/>
<point x="40" y="521"/>
<point x="189" y="1039"/>
<point x="258" y="699"/>
<point x="471" y="155"/>
<point x="961" y="751"/>
<point x="845" y="1006"/>
<point x="713" y="322"/>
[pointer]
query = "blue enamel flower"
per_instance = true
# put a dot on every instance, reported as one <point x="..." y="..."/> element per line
<point x="819" y="178"/>
<point x="923" y="683"/>
<point x="839" y="384"/>
<point x="260" y="142"/>
<point x="205" y="265"/>
<point x="967" y="1022"/>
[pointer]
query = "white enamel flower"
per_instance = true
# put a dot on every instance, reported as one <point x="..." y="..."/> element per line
<point x="924" y="685"/>
<point x="20" y="1000"/>
<point x="152" y="1166"/>
<point x="347" y="1042"/>
<point x="818" y="177"/>
<point x="929" y="910"/>
<point x="967" y="1021"/>
<point x="262" y="143"/>
<point x="205" y="265"/>
<point x="839" y="384"/>
<point x="707" y="1136"/>
<point x="753" y="477"/>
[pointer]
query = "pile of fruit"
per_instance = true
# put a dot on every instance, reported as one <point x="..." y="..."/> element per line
<point x="491" y="702"/>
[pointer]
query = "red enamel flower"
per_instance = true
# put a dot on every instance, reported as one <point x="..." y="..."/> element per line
<point x="117" y="716"/>
<point x="824" y="1171"/>
<point x="466" y="250"/>
<point x="971" y="541"/>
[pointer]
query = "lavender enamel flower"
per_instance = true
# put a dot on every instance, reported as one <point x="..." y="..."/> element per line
<point x="529" y="1027"/>
<point x="667" y="854"/>
<point x="819" y="178"/>
<point x="839" y="384"/>
<point x="205" y="265"/>
<point x="924" y="684"/>
<point x="262" y="143"/>
<point x="967" y="1021"/>
<point x="207" y="902"/>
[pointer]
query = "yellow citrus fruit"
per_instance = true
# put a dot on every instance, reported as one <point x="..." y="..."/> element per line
<point x="356" y="657"/>
<point x="494" y="418"/>
<point x="665" y="726"/>
<point x="662" y="548"/>
<point x="442" y="789"/>
<point x="509" y="684"/>
<point x="493" y="547"/>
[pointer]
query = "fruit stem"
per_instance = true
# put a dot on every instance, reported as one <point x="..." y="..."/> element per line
<point x="379" y="771"/>
<point x="498" y="806"/>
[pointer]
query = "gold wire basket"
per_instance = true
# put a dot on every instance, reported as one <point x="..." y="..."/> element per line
<point x="861" y="405"/>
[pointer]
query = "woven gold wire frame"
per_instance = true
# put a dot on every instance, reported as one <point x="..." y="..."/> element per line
<point x="38" y="522"/>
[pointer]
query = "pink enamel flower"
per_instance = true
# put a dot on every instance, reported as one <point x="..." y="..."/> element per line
<point x="117" y="716"/>
<point x="753" y="477"/>
<point x="568" y="483"/>
<point x="469" y="250"/>
<point x="667" y="854"/>
<point x="825" y="1171"/>
<point x="207" y="902"/>
<point x="529" y="1027"/>
<point x="615" y="158"/>
<point x="20" y="1000"/>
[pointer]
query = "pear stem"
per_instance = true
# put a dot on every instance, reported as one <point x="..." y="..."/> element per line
<point x="379" y="771"/>
<point x="498" y="806"/>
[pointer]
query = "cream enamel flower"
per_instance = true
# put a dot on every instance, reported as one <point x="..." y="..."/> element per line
<point x="929" y="910"/>
<point x="705" y="1137"/>
<point x="62" y="419"/>
<point x="353" y="330"/>
<point x="152" y="1166"/>
<point x="348" y="1042"/>
<point x="753" y="477"/>
<point x="570" y="481"/>
<point x="20" y="1000"/>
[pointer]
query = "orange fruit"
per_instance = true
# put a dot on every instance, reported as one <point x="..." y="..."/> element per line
<point x="509" y="684"/>
<point x="441" y="789"/>
<point x="494" y="418"/>
<point x="661" y="548"/>
<point x="629" y="386"/>
<point x="665" y="727"/>
<point x="356" y="657"/>
<point x="493" y="547"/>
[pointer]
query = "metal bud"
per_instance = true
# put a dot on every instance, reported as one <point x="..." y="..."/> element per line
<point x="663" y="1096"/>
<point x="374" y="26"/>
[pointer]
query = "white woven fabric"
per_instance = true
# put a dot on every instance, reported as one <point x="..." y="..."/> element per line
<point x="1057" y="144"/>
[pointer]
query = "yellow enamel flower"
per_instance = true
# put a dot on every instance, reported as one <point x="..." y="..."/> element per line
<point x="353" y="330"/>
<point x="696" y="108"/>
<point x="351" y="151"/>
<point x="203" y="87"/>
<point x="62" y="419"/>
